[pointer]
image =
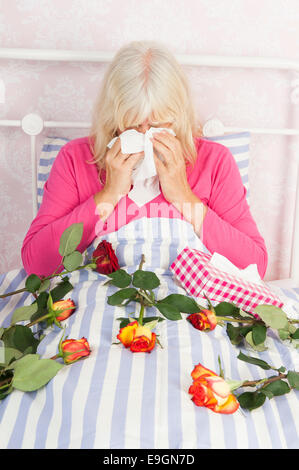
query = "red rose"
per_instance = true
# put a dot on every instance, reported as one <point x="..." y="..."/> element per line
<point x="105" y="258"/>
<point x="68" y="307"/>
<point x="203" y="320"/>
<point x="74" y="349"/>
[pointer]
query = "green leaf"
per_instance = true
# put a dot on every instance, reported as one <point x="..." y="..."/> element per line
<point x="32" y="373"/>
<point x="273" y="316"/>
<point x="24" y="313"/>
<point x="73" y="260"/>
<point x="120" y="278"/>
<point x="226" y="309"/>
<point x="256" y="347"/>
<point x="279" y="387"/>
<point x="293" y="379"/>
<point x="33" y="283"/>
<point x="254" y="360"/>
<point x="125" y="321"/>
<point x="292" y="328"/>
<point x="151" y="324"/>
<point x="5" y="391"/>
<point x="268" y="393"/>
<point x="145" y="279"/>
<point x="259" y="333"/>
<point x="169" y="311"/>
<point x="283" y="334"/>
<point x="1" y="331"/>
<point x="44" y="285"/>
<point x="182" y="303"/>
<point x="295" y="335"/>
<point x="70" y="239"/>
<point x="50" y="302"/>
<point x="19" y="337"/>
<point x="41" y="303"/>
<point x="63" y="288"/>
<point x="244" y="330"/>
<point x="251" y="400"/>
<point x="234" y="333"/>
<point x="9" y="355"/>
<point x="118" y="297"/>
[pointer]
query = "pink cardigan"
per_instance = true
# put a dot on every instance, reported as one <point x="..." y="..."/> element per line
<point x="228" y="226"/>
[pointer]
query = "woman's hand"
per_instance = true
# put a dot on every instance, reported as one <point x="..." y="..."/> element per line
<point x="171" y="172"/>
<point x="119" y="167"/>
<point x="173" y="179"/>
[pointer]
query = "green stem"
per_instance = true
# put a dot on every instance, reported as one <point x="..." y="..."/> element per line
<point x="44" y="317"/>
<point x="144" y="294"/>
<point x="141" y="313"/>
<point x="24" y="289"/>
<point x="244" y="320"/>
<point x="5" y="382"/>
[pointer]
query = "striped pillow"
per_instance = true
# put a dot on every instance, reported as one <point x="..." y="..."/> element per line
<point x="50" y="149"/>
<point x="238" y="144"/>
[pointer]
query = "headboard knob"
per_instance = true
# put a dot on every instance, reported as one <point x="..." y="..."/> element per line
<point x="213" y="127"/>
<point x="32" y="124"/>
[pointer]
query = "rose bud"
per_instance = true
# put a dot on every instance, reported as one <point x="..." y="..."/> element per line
<point x="211" y="391"/>
<point x="137" y="338"/>
<point x="68" y="307"/>
<point x="74" y="349"/>
<point x="203" y="320"/>
<point x="105" y="258"/>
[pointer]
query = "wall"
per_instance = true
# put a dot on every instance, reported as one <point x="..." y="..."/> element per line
<point x="238" y="97"/>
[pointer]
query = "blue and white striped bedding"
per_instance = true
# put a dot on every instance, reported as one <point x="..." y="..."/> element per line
<point x="115" y="399"/>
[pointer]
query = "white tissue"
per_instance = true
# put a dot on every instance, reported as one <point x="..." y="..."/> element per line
<point x="250" y="273"/>
<point x="145" y="179"/>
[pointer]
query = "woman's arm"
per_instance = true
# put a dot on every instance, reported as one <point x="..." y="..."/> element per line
<point x="228" y="227"/>
<point x="60" y="208"/>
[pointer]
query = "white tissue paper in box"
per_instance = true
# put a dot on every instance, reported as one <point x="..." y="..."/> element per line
<point x="249" y="274"/>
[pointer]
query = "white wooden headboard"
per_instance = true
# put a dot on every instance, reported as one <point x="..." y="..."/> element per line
<point x="33" y="124"/>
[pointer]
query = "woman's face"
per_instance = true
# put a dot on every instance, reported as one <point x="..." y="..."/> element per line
<point x="145" y="126"/>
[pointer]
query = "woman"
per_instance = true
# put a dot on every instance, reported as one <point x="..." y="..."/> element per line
<point x="144" y="87"/>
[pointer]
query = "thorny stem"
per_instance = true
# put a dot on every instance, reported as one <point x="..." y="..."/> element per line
<point x="252" y="383"/>
<point x="241" y="320"/>
<point x="142" y="261"/>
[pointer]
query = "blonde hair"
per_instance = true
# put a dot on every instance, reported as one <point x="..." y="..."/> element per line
<point x="144" y="80"/>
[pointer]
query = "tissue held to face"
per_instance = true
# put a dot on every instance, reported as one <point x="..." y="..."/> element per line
<point x="119" y="166"/>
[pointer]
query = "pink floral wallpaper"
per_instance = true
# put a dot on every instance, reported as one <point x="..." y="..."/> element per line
<point x="239" y="97"/>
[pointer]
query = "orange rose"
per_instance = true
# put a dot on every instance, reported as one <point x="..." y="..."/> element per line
<point x="211" y="391"/>
<point x="137" y="338"/>
<point x="203" y="320"/>
<point x="68" y="307"/>
<point x="74" y="349"/>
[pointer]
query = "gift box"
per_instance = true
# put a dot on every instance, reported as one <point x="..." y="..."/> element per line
<point x="193" y="270"/>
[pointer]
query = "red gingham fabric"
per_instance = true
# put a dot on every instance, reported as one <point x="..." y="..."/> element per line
<point x="198" y="276"/>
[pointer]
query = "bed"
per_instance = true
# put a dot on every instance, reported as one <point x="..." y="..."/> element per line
<point x="118" y="400"/>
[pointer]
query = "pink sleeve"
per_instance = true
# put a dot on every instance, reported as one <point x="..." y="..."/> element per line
<point x="59" y="209"/>
<point x="228" y="227"/>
